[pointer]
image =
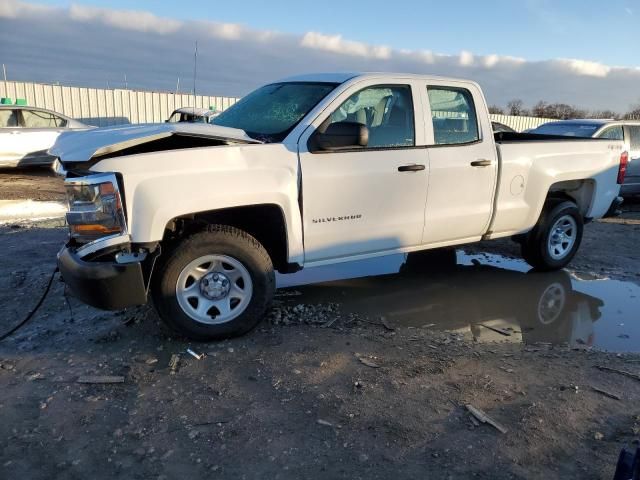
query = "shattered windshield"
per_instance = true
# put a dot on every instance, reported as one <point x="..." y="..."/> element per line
<point x="271" y="112"/>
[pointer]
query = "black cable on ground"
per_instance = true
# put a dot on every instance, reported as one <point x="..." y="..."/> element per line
<point x="33" y="311"/>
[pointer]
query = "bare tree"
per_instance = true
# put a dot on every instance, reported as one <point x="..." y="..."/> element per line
<point x="495" y="109"/>
<point x="561" y="111"/>
<point x="541" y="109"/>
<point x="604" y="114"/>
<point x="633" y="114"/>
<point x="516" y="107"/>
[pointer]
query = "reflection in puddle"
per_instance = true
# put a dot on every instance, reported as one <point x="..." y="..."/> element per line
<point x="491" y="297"/>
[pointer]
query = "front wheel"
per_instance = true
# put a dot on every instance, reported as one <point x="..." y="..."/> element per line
<point x="214" y="284"/>
<point x="555" y="239"/>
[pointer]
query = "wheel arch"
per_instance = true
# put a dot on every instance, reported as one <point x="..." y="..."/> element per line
<point x="580" y="192"/>
<point x="265" y="222"/>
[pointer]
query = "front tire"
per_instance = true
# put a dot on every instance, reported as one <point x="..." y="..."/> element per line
<point x="215" y="284"/>
<point x="555" y="239"/>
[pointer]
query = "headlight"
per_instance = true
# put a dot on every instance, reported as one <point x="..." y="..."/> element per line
<point x="95" y="207"/>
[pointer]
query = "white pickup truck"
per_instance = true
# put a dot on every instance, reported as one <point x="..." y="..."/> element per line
<point x="309" y="171"/>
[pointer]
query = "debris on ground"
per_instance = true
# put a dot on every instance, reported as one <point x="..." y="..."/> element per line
<point x="635" y="376"/>
<point x="366" y="361"/>
<point x="385" y="324"/>
<point x="197" y="356"/>
<point x="304" y="314"/>
<point x="101" y="379"/>
<point x="173" y="362"/>
<point x="501" y="331"/>
<point x="606" y="394"/>
<point x="484" y="418"/>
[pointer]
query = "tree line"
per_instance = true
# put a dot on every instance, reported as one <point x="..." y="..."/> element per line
<point x="560" y="111"/>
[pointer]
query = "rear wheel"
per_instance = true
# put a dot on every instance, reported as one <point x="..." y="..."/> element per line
<point x="214" y="284"/>
<point x="555" y="239"/>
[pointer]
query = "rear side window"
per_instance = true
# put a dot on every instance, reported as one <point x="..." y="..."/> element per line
<point x="634" y="136"/>
<point x="454" y="116"/>
<point x="38" y="119"/>
<point x="613" y="133"/>
<point x="8" y="119"/>
<point x="386" y="110"/>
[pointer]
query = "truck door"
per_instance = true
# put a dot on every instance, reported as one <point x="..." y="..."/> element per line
<point x="464" y="166"/>
<point x="368" y="199"/>
<point x="632" y="180"/>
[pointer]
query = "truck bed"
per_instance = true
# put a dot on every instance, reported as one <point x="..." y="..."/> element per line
<point x="533" y="165"/>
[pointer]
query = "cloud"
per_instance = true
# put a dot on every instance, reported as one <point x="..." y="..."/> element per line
<point x="586" y="68"/>
<point x="466" y="59"/>
<point x="90" y="46"/>
<point x="125" y="19"/>
<point x="336" y="44"/>
<point x="13" y="9"/>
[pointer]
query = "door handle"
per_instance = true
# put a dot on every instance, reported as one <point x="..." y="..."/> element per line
<point x="481" y="163"/>
<point x="411" y="168"/>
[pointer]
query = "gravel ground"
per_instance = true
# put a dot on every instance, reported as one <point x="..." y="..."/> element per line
<point x="317" y="391"/>
<point x="31" y="184"/>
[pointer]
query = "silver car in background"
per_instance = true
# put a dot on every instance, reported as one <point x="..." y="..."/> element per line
<point x="26" y="133"/>
<point x="627" y="130"/>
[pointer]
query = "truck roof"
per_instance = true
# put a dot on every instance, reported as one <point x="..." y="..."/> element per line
<point x="341" y="77"/>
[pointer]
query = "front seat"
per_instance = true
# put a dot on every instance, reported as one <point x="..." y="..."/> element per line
<point x="394" y="132"/>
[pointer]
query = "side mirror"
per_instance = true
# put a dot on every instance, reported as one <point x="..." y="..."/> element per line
<point x="338" y="136"/>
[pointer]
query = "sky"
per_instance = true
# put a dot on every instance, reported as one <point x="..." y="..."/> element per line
<point x="559" y="51"/>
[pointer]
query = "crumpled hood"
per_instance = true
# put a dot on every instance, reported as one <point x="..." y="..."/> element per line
<point x="81" y="146"/>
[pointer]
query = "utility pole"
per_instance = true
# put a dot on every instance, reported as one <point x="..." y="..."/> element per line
<point x="4" y="71"/>
<point x="126" y="85"/>
<point x="195" y="71"/>
<point x="178" y="86"/>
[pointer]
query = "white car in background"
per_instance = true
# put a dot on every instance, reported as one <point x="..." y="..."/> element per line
<point x="26" y="133"/>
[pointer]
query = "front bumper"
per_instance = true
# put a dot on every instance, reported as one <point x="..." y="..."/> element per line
<point x="105" y="285"/>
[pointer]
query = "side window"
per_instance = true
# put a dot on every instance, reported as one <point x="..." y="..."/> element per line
<point x="386" y="110"/>
<point x="8" y="119"/>
<point x="634" y="137"/>
<point x="613" y="133"/>
<point x="454" y="116"/>
<point x="38" y="119"/>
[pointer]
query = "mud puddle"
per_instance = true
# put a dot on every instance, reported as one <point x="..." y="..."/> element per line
<point x="488" y="298"/>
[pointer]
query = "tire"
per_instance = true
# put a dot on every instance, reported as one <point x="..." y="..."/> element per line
<point x="542" y="248"/>
<point x="214" y="284"/>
